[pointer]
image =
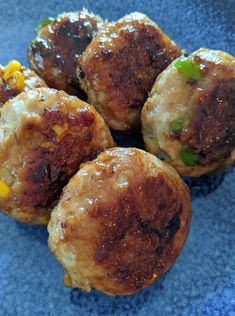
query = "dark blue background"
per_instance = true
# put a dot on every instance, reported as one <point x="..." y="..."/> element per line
<point x="202" y="281"/>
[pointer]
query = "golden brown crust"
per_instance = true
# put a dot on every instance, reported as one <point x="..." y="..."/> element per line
<point x="121" y="222"/>
<point x="54" y="52"/>
<point x="118" y="68"/>
<point x="54" y="134"/>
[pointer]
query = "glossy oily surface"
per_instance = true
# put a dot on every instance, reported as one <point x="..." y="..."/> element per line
<point x="118" y="68"/>
<point x="120" y="223"/>
<point x="202" y="281"/>
<point x="190" y="113"/>
<point x="58" y="44"/>
<point x="45" y="135"/>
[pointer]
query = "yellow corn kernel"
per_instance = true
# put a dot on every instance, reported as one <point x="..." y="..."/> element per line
<point x="59" y="129"/>
<point x="1" y="71"/>
<point x="46" y="144"/>
<point x="20" y="83"/>
<point x="11" y="68"/>
<point x="67" y="280"/>
<point x="17" y="81"/>
<point x="12" y="83"/>
<point x="43" y="220"/>
<point x="4" y="189"/>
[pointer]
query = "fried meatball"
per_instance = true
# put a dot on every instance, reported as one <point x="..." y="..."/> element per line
<point x="121" y="222"/>
<point x="15" y="78"/>
<point x="45" y="134"/>
<point x="118" y="68"/>
<point x="189" y="118"/>
<point x="59" y="42"/>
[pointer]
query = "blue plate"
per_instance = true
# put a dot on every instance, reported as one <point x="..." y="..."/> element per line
<point x="202" y="281"/>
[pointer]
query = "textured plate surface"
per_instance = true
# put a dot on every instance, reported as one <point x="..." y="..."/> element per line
<point x="202" y="281"/>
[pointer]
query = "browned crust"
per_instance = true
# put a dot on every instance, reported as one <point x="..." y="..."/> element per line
<point x="136" y="239"/>
<point x="125" y="71"/>
<point x="135" y="234"/>
<point x="59" y="44"/>
<point x="47" y="170"/>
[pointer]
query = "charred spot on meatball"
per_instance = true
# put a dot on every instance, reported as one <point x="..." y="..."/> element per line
<point x="48" y="169"/>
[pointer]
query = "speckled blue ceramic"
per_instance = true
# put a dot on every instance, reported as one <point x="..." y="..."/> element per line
<point x="202" y="281"/>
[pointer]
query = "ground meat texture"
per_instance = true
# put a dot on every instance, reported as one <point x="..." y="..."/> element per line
<point x="191" y="122"/>
<point x="54" y="52"/>
<point x="44" y="137"/>
<point x="118" y="68"/>
<point x="120" y="223"/>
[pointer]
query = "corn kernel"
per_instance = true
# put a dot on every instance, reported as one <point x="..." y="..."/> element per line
<point x="43" y="220"/>
<point x="4" y="189"/>
<point x="67" y="280"/>
<point x="17" y="81"/>
<point x="20" y="83"/>
<point x="12" y="83"/>
<point x="46" y="144"/>
<point x="1" y="71"/>
<point x="59" y="129"/>
<point x="11" y="68"/>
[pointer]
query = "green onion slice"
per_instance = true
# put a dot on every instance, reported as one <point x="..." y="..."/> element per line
<point x="177" y="125"/>
<point x="44" y="23"/>
<point x="188" y="68"/>
<point x="188" y="157"/>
